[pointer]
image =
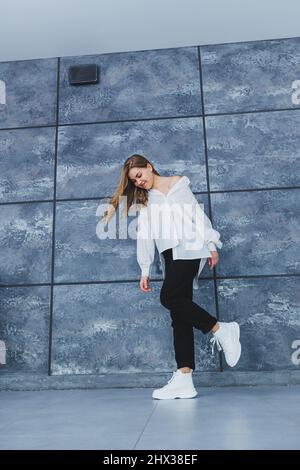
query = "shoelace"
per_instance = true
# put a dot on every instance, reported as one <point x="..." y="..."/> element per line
<point x="214" y="341"/>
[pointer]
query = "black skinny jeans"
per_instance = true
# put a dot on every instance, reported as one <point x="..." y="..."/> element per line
<point x="177" y="296"/>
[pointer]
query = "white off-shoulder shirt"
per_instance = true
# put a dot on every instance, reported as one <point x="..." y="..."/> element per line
<point x="174" y="220"/>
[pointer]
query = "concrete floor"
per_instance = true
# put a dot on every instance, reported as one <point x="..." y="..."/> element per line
<point x="261" y="417"/>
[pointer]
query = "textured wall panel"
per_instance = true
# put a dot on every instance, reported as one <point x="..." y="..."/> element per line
<point x="249" y="151"/>
<point x="90" y="157"/>
<point x="268" y="311"/>
<point x="25" y="243"/>
<point x="30" y="92"/>
<point x="250" y="76"/>
<point x="80" y="255"/>
<point x="261" y="232"/>
<point x="27" y="164"/>
<point x="24" y="326"/>
<point x="133" y="85"/>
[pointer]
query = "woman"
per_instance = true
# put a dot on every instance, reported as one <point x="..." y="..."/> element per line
<point x="183" y="258"/>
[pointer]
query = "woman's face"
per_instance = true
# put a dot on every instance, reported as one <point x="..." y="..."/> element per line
<point x="141" y="177"/>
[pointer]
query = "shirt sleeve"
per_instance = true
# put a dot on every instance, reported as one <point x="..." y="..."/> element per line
<point x="211" y="236"/>
<point x="145" y="247"/>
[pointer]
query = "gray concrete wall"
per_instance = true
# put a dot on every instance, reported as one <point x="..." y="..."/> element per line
<point x="228" y="117"/>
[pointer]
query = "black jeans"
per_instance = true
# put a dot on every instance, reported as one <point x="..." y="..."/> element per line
<point x="177" y="296"/>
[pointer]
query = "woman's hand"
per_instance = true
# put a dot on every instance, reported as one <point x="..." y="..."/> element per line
<point x="213" y="260"/>
<point x="145" y="284"/>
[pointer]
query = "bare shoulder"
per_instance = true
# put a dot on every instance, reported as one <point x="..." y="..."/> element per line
<point x="171" y="180"/>
<point x="176" y="178"/>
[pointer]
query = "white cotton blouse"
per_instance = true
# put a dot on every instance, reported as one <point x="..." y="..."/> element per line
<point x="174" y="220"/>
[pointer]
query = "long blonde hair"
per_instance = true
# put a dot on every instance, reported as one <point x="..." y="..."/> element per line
<point x="126" y="187"/>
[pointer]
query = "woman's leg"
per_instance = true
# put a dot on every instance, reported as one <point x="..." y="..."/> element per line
<point x="183" y="332"/>
<point x="183" y="338"/>
<point x="173" y="295"/>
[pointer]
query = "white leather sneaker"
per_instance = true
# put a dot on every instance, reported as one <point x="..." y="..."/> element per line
<point x="180" y="385"/>
<point x="228" y="338"/>
<point x="2" y="352"/>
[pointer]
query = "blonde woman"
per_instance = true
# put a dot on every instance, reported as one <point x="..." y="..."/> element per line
<point x="182" y="262"/>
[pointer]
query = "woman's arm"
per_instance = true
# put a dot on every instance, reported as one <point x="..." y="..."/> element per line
<point x="145" y="246"/>
<point x="212" y="236"/>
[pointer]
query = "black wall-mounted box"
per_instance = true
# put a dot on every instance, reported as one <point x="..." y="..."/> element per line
<point x="83" y="74"/>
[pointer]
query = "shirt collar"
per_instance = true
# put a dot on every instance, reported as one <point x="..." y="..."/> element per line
<point x="183" y="181"/>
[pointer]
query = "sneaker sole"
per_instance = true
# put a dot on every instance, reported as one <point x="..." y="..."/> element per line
<point x="178" y="395"/>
